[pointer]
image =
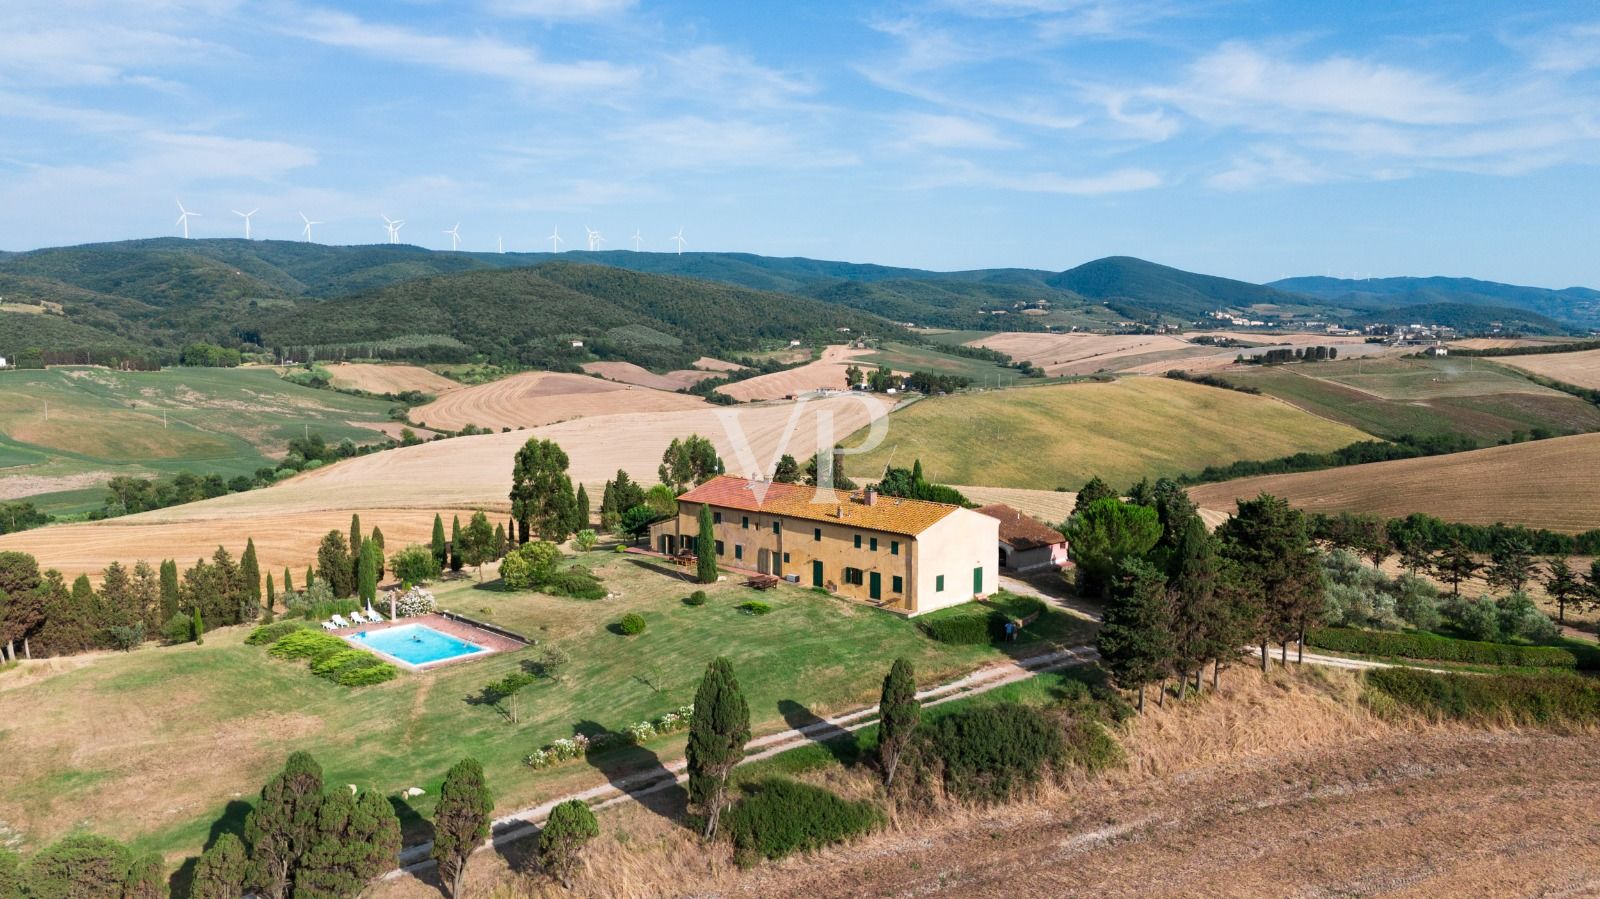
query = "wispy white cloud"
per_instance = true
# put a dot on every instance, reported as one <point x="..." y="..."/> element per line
<point x="560" y="10"/>
<point x="694" y="142"/>
<point x="479" y="54"/>
<point x="721" y="77"/>
<point x="1568" y="49"/>
<point x="947" y="132"/>
<point x="963" y="173"/>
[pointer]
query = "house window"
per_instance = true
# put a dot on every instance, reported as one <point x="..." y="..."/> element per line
<point x="938" y="584"/>
<point x="858" y="541"/>
<point x="785" y="558"/>
<point x="776" y="528"/>
<point x="816" y="534"/>
<point x="716" y="517"/>
<point x="874" y="544"/>
<point x="894" y="547"/>
<point x="898" y="584"/>
<point x="854" y="576"/>
<point x="744" y="522"/>
<point x="738" y="550"/>
<point x="719" y="547"/>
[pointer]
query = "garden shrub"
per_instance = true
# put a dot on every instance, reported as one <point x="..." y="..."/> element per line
<point x="697" y="598"/>
<point x="80" y="865"/>
<point x="1090" y="747"/>
<point x="271" y="633"/>
<point x="415" y="565"/>
<point x="329" y="666"/>
<point x="530" y="564"/>
<point x="754" y="607"/>
<point x="178" y="629"/>
<point x="1507" y="699"/>
<point x="415" y="601"/>
<point x="631" y="623"/>
<point x="1476" y="619"/>
<point x="306" y="643"/>
<point x="784" y="816"/>
<point x="1432" y="647"/>
<point x="372" y="674"/>
<point x="989" y="753"/>
<point x="576" y="583"/>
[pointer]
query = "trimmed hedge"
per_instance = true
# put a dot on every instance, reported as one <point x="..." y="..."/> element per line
<point x="307" y="644"/>
<point x="697" y="598"/>
<point x="1497" y="699"/>
<point x="575" y="583"/>
<point x="754" y="607"/>
<point x="785" y="816"/>
<point x="964" y="628"/>
<point x="271" y="633"/>
<point x="333" y="658"/>
<point x="631" y="624"/>
<point x="1432" y="647"/>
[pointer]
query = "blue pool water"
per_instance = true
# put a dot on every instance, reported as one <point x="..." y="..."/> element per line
<point x="416" y="643"/>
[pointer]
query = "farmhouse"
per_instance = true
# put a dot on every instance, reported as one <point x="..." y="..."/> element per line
<point x="1026" y="543"/>
<point x="905" y="555"/>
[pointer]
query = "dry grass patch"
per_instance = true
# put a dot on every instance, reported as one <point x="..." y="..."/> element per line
<point x="1582" y="368"/>
<point x="539" y="398"/>
<point x="638" y="375"/>
<point x="826" y="373"/>
<point x="389" y="378"/>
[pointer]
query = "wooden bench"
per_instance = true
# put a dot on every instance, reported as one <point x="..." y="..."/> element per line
<point x="762" y="581"/>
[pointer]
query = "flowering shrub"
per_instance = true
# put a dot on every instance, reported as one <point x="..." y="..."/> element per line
<point x="415" y="601"/>
<point x="632" y="735"/>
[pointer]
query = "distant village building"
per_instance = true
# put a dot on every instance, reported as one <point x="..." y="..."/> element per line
<point x="1026" y="543"/>
<point x="1437" y="349"/>
<point x="577" y="344"/>
<point x="905" y="555"/>
<point x="2" y="362"/>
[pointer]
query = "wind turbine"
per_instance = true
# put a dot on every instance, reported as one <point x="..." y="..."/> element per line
<point x="594" y="238"/>
<point x="307" y="230"/>
<point x="183" y="219"/>
<point x="501" y="241"/>
<point x="678" y="238"/>
<point x="637" y="239"/>
<point x="455" y="236"/>
<point x="243" y="215"/>
<point x="555" y="239"/>
<point x="393" y="227"/>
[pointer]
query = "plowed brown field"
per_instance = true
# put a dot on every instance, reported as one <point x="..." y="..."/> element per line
<point x="628" y="373"/>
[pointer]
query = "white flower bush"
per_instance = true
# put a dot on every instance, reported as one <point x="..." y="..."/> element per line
<point x="413" y="602"/>
<point x="632" y="735"/>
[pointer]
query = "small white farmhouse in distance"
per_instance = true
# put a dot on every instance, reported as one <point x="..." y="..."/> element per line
<point x="2" y="362"/>
<point x="577" y="344"/>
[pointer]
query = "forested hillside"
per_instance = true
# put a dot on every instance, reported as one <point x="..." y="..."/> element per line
<point x="1577" y="305"/>
<point x="1467" y="317"/>
<point x="1140" y="289"/>
<point x="531" y="316"/>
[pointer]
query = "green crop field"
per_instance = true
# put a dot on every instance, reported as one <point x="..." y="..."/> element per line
<point x="102" y="423"/>
<point x="155" y="746"/>
<point x="1061" y="435"/>
<point x="1391" y="397"/>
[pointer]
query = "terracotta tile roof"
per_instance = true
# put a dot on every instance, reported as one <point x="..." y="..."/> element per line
<point x="1021" y="531"/>
<point x="890" y="514"/>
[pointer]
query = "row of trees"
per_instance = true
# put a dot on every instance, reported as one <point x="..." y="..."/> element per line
<point x="39" y="611"/>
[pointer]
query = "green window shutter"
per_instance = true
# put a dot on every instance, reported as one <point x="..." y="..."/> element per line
<point x="719" y="547"/>
<point x="744" y="521"/>
<point x="898" y="584"/>
<point x="716" y="517"/>
<point x="938" y="584"/>
<point x="775" y="528"/>
<point x="874" y="544"/>
<point x="858" y="541"/>
<point x="816" y="534"/>
<point x="738" y="550"/>
<point x="894" y="547"/>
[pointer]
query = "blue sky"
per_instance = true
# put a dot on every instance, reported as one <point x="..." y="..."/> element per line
<point x="1254" y="140"/>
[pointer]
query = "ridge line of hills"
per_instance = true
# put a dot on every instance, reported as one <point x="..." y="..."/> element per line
<point x="655" y="309"/>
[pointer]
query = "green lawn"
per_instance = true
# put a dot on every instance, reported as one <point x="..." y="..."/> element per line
<point x="153" y="745"/>
<point x="909" y="357"/>
<point x="1061" y="435"/>
<point x="103" y="423"/>
<point x="1390" y="398"/>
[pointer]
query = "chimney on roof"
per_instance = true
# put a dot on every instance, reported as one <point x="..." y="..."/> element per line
<point x="870" y="497"/>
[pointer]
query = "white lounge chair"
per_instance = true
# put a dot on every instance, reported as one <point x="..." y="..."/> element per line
<point x="329" y="626"/>
<point x="374" y="617"/>
<point x="356" y="618"/>
<point x="338" y="621"/>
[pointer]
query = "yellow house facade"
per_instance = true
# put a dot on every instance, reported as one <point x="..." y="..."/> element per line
<point x="908" y="556"/>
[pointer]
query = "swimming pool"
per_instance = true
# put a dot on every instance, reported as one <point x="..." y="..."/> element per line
<point x="415" y="644"/>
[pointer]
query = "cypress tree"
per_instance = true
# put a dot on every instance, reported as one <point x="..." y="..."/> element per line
<point x="310" y="577"/>
<point x="718" y="731"/>
<point x="288" y="582"/>
<point x="1135" y="641"/>
<point x="169" y="589"/>
<point x="440" y="550"/>
<point x="898" y="715"/>
<point x="356" y="839"/>
<point x="281" y="828"/>
<point x="705" y="548"/>
<point x="499" y="541"/>
<point x="377" y="539"/>
<point x="272" y="594"/>
<point x="571" y="825"/>
<point x="1198" y="611"/>
<point x="511" y="534"/>
<point x="356" y="540"/>
<point x="222" y="870"/>
<point x="455" y="544"/>
<point x="250" y="572"/>
<point x="367" y="576"/>
<point x="198" y="627"/>
<point x="581" y="512"/>
<point x="460" y="821"/>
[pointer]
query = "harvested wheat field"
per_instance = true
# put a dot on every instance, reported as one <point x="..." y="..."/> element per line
<point x="1552" y="484"/>
<point x="826" y="373"/>
<point x="1281" y="339"/>
<point x="1582" y="368"/>
<point x="1496" y="343"/>
<point x="1082" y="354"/>
<point x="542" y="397"/>
<point x="638" y="375"/>
<point x="1278" y="786"/>
<point x="1060" y="435"/>
<point x="406" y="485"/>
<point x="389" y="378"/>
<point x="707" y="363"/>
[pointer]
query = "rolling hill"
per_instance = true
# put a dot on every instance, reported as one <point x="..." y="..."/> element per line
<point x="1140" y="289"/>
<point x="1466" y="317"/>
<point x="1577" y="305"/>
